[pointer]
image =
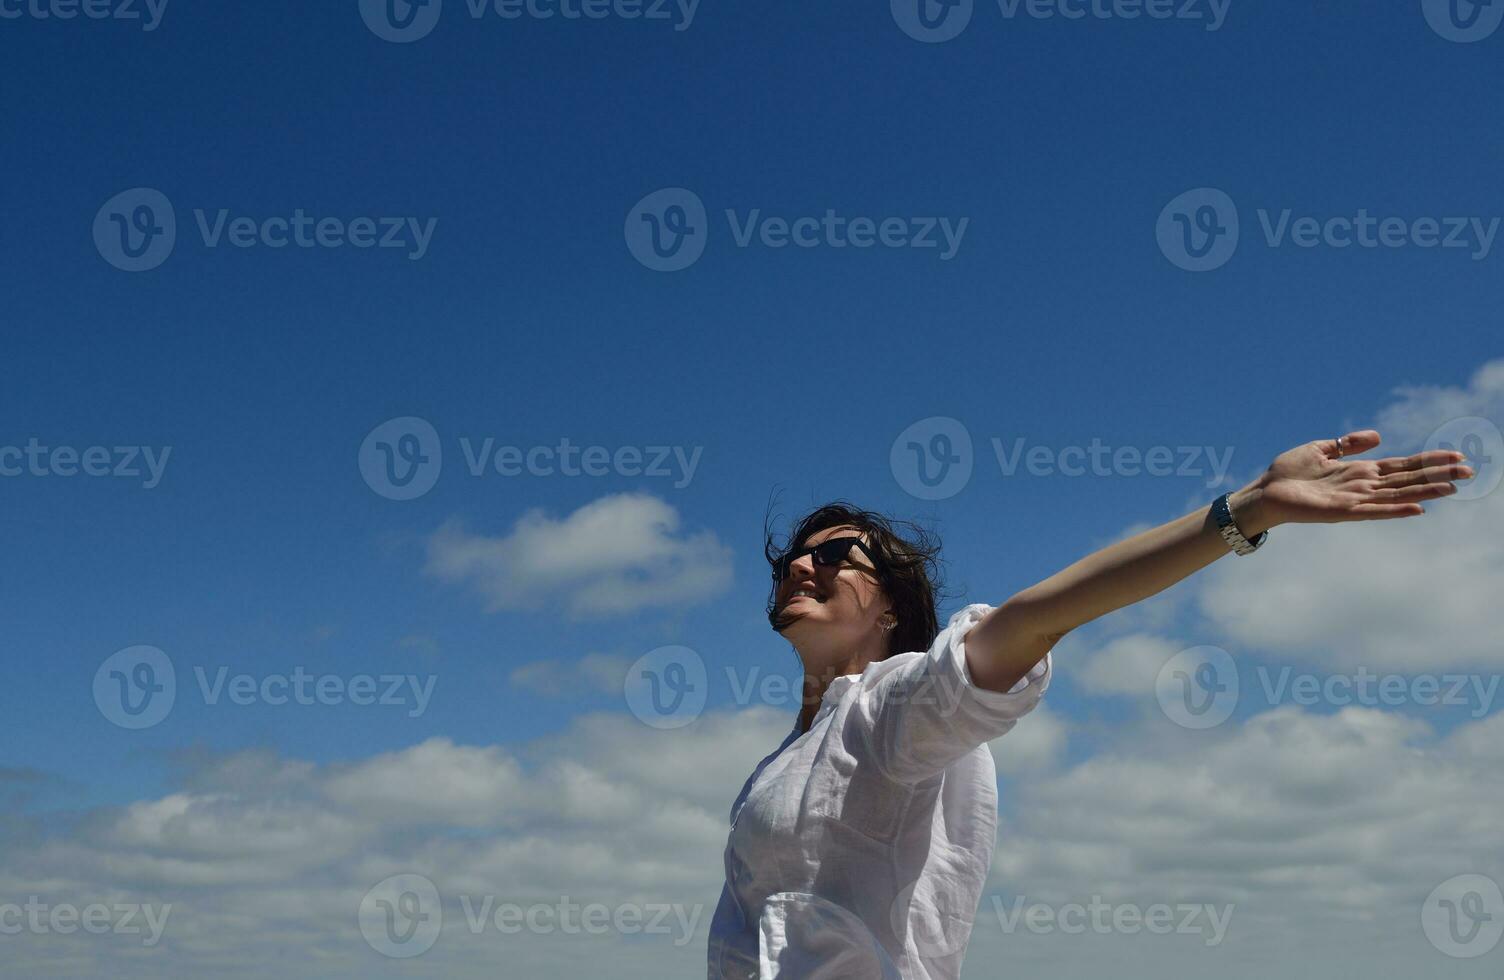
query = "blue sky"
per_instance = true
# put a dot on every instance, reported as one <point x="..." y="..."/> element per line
<point x="523" y="146"/>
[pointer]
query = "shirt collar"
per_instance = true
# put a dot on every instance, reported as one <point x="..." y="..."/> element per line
<point x="838" y="686"/>
<point x="833" y="692"/>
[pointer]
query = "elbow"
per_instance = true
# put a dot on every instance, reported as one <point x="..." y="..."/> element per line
<point x="1033" y="615"/>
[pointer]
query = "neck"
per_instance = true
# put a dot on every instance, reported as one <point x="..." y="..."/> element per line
<point x="817" y="679"/>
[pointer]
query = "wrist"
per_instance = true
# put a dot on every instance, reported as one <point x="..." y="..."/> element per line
<point x="1249" y="510"/>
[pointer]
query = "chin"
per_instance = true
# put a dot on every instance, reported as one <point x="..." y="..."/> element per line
<point x="796" y="618"/>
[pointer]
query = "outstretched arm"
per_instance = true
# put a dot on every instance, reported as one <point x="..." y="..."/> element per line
<point x="1311" y="483"/>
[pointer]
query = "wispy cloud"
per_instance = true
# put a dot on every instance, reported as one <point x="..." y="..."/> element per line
<point x="615" y="556"/>
<point x="1414" y="594"/>
<point x="594" y="673"/>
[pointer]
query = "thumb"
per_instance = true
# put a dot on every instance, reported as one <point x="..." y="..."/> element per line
<point x="1353" y="443"/>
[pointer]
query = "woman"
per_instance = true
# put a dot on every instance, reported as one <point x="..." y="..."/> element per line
<point x="859" y="848"/>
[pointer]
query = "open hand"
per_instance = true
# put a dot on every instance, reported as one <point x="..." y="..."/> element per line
<point x="1314" y="483"/>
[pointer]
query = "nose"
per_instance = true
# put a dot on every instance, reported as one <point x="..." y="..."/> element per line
<point x="802" y="567"/>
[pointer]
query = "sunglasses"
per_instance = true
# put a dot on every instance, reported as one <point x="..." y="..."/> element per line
<point x="826" y="553"/>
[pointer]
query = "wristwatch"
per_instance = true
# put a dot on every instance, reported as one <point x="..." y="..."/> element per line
<point x="1229" y="529"/>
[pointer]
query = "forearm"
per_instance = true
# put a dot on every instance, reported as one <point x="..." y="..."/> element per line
<point x="1141" y="566"/>
<point x="1016" y="635"/>
<point x="1310" y="483"/>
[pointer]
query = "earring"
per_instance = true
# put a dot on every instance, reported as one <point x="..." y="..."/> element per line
<point x="889" y="625"/>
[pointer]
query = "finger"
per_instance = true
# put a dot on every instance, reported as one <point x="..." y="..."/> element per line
<point x="1417" y="492"/>
<point x="1384" y="512"/>
<point x="1431" y="457"/>
<point x="1352" y="444"/>
<point x="1431" y="474"/>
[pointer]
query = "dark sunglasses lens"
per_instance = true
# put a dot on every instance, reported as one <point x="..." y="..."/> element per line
<point x="831" y="552"/>
<point x="834" y="551"/>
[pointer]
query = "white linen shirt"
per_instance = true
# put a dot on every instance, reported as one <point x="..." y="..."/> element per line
<point x="858" y="849"/>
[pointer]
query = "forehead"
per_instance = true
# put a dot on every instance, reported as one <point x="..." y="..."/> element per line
<point x="839" y="531"/>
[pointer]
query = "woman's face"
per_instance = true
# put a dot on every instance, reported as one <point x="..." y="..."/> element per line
<point x="835" y="609"/>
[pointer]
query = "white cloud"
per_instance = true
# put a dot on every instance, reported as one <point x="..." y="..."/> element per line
<point x="1034" y="745"/>
<point x="1417" y="594"/>
<point x="1124" y="665"/>
<point x="614" y="556"/>
<point x="594" y="673"/>
<point x="1325" y="832"/>
<point x="1422" y="409"/>
<point x="258" y="853"/>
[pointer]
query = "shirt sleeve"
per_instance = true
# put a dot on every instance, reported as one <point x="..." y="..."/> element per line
<point x="927" y="712"/>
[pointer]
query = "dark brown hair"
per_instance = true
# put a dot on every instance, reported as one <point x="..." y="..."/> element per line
<point x="909" y="572"/>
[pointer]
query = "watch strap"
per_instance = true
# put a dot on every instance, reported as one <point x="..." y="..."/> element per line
<point x="1229" y="529"/>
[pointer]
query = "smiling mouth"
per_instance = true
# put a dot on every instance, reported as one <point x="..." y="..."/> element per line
<point x="804" y="594"/>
